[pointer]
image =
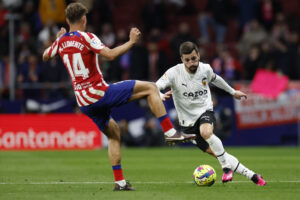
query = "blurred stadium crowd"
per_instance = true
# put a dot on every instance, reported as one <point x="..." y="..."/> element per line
<point x="235" y="36"/>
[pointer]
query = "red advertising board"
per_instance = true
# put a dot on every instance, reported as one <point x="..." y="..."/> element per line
<point x="48" y="132"/>
<point x="260" y="111"/>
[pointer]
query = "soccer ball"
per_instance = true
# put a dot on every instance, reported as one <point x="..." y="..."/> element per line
<point x="204" y="175"/>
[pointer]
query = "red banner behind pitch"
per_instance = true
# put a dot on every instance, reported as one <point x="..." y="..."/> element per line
<point x="48" y="132"/>
<point x="259" y="111"/>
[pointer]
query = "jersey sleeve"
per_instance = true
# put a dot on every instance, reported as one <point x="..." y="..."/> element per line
<point x="211" y="74"/>
<point x="92" y="42"/>
<point x="165" y="81"/>
<point x="52" y="50"/>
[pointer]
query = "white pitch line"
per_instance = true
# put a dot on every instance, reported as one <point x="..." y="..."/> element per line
<point x="137" y="182"/>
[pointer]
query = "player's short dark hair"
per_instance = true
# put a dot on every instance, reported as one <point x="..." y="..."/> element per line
<point x="75" y="11"/>
<point x="187" y="48"/>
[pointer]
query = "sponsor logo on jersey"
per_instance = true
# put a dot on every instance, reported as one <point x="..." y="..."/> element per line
<point x="196" y="94"/>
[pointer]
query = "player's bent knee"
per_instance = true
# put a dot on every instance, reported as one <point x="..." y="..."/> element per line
<point x="206" y="134"/>
<point x="152" y="87"/>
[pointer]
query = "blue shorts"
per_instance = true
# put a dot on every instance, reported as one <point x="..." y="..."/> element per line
<point x="116" y="95"/>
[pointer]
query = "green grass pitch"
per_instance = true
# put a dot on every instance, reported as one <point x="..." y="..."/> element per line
<point x="156" y="173"/>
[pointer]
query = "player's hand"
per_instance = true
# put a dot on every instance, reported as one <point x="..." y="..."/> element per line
<point x="134" y="35"/>
<point x="239" y="95"/>
<point x="167" y="95"/>
<point x="61" y="32"/>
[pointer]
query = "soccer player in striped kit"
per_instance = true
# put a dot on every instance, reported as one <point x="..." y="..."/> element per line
<point x="79" y="51"/>
<point x="189" y="83"/>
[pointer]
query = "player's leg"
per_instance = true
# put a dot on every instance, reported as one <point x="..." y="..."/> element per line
<point x="206" y="131"/>
<point x="112" y="132"/>
<point x="150" y="91"/>
<point x="207" y="120"/>
<point x="239" y="168"/>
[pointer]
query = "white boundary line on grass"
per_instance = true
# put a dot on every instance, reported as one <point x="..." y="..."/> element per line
<point x="137" y="182"/>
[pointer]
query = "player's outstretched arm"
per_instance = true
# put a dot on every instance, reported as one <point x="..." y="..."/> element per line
<point x="221" y="83"/>
<point x="111" y="54"/>
<point x="46" y="55"/>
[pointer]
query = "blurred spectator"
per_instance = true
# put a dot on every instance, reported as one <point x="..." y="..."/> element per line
<point x="4" y="77"/>
<point x="255" y="34"/>
<point x="279" y="37"/>
<point x="100" y="13"/>
<point x="12" y="4"/>
<point x="252" y="62"/>
<point x="280" y="30"/>
<point x="54" y="72"/>
<point x="162" y="41"/>
<point x="50" y="29"/>
<point x="116" y="69"/>
<point x="107" y="35"/>
<point x="153" y="134"/>
<point x="3" y="13"/>
<point x="4" y="39"/>
<point x="127" y="138"/>
<point x="139" y="62"/>
<point x="157" y="61"/>
<point x="267" y="11"/>
<point x="223" y="126"/>
<point x="266" y="52"/>
<point x="154" y="15"/>
<point x="247" y="11"/>
<point x="182" y="7"/>
<point x="52" y="10"/>
<point x="217" y="14"/>
<point x="25" y="34"/>
<point x="31" y="16"/>
<point x="24" y="53"/>
<point x="226" y="65"/>
<point x="29" y="73"/>
<point x="183" y="35"/>
<point x="271" y="65"/>
<point x="293" y="58"/>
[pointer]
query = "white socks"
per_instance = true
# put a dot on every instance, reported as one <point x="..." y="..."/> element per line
<point x="227" y="160"/>
<point x="217" y="148"/>
<point x="121" y="183"/>
<point x="170" y="132"/>
<point x="238" y="167"/>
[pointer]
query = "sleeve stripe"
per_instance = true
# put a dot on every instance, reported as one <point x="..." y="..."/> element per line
<point x="87" y="37"/>
<point x="53" y="49"/>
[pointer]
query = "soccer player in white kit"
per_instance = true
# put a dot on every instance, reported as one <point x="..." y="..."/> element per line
<point x="189" y="83"/>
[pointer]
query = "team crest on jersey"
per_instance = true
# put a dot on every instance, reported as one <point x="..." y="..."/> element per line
<point x="204" y="81"/>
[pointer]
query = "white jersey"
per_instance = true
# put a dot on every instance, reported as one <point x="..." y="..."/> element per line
<point x="191" y="92"/>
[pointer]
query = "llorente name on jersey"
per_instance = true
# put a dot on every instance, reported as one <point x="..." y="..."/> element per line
<point x="71" y="43"/>
<point x="195" y="94"/>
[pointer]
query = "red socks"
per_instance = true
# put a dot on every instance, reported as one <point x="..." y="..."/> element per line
<point x="165" y="123"/>
<point x="118" y="173"/>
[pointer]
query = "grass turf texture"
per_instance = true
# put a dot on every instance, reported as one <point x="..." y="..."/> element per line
<point x="158" y="173"/>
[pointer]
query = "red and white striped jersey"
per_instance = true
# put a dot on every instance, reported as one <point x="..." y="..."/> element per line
<point x="78" y="51"/>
